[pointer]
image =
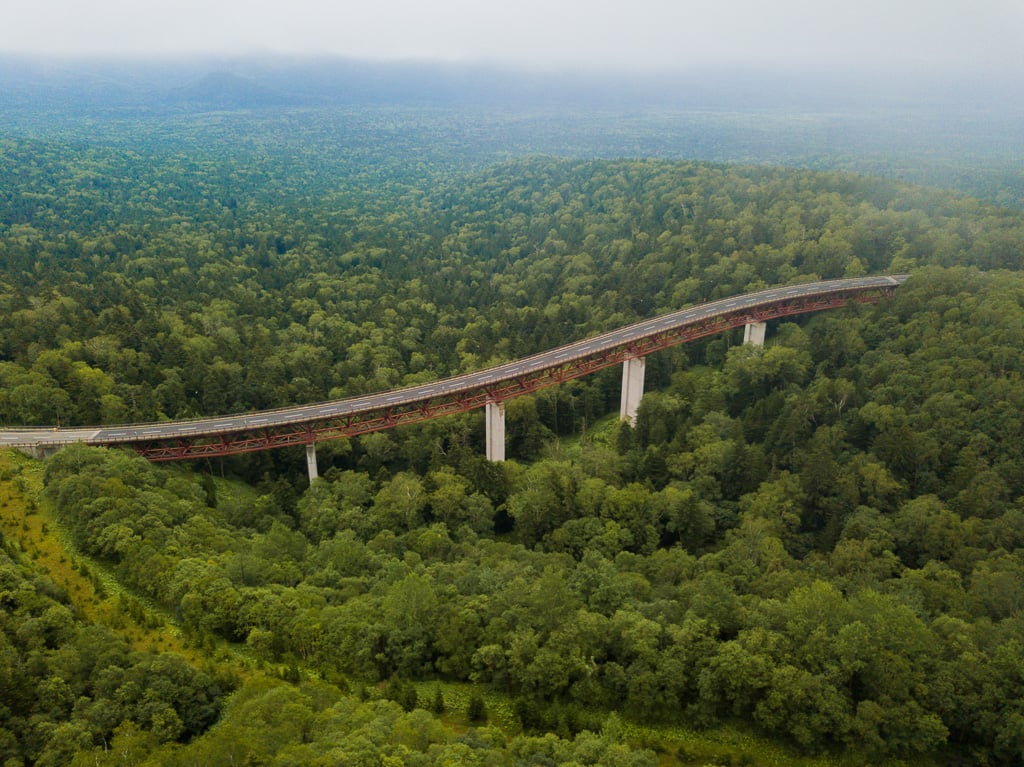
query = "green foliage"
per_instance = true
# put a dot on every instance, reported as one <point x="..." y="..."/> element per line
<point x="402" y="692"/>
<point x="69" y="687"/>
<point x="115" y="308"/>
<point x="821" y="536"/>
<point x="437" y="704"/>
<point x="476" y="711"/>
<point x="270" y="722"/>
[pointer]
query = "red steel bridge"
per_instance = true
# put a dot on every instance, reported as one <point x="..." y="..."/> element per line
<point x="308" y="424"/>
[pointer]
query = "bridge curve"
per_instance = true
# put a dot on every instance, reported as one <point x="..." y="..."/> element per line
<point x="307" y="424"/>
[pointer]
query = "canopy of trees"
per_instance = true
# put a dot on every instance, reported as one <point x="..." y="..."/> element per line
<point x="67" y="687"/>
<point x="799" y="536"/>
<point x="821" y="538"/>
<point x="140" y="284"/>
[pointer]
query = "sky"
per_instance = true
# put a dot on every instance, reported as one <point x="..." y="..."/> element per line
<point x="876" y="36"/>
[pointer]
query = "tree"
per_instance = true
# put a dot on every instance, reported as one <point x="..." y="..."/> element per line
<point x="399" y="504"/>
<point x="476" y="710"/>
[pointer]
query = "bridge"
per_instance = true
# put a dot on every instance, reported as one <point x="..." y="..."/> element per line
<point x="307" y="424"/>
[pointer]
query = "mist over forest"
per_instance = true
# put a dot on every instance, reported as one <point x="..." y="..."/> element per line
<point x="963" y="132"/>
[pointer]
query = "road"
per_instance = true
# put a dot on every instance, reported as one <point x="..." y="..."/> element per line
<point x="319" y="412"/>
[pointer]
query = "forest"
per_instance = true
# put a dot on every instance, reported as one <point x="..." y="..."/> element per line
<point x="817" y="545"/>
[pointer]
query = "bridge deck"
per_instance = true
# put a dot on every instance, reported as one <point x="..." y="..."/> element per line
<point x="303" y="424"/>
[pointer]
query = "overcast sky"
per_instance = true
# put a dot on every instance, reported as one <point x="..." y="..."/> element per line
<point x="875" y="35"/>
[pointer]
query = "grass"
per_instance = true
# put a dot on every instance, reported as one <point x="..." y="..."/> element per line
<point x="27" y="519"/>
<point x="675" y="745"/>
<point x="603" y="431"/>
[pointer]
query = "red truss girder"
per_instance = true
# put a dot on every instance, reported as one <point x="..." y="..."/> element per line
<point x="462" y="401"/>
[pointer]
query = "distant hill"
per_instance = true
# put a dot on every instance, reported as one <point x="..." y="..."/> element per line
<point x="262" y="82"/>
<point x="225" y="90"/>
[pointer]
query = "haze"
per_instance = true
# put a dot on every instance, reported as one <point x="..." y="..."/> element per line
<point x="875" y="36"/>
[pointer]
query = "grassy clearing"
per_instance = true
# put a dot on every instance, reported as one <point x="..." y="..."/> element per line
<point x="676" y="746"/>
<point x="603" y="432"/>
<point x="95" y="594"/>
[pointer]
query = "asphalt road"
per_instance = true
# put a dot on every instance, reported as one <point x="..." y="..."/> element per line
<point x="190" y="429"/>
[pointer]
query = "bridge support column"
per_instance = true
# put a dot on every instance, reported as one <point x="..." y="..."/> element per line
<point x="495" y="420"/>
<point x="39" y="452"/>
<point x="632" y="388"/>
<point x="311" y="462"/>
<point x="754" y="332"/>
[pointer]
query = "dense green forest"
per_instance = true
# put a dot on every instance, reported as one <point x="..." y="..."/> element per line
<point x="821" y="540"/>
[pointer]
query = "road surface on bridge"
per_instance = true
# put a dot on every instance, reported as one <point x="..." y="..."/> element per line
<point x="324" y="420"/>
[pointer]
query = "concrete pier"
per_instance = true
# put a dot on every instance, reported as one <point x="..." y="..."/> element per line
<point x="754" y="333"/>
<point x="632" y="388"/>
<point x="38" y="451"/>
<point x="495" y="431"/>
<point x="311" y="462"/>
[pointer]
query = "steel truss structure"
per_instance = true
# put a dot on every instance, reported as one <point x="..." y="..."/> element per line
<point x="456" y="398"/>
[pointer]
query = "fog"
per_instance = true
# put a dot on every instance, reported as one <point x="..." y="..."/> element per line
<point x="876" y="37"/>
